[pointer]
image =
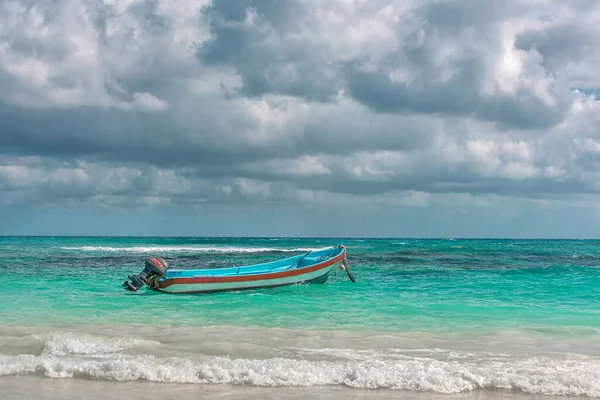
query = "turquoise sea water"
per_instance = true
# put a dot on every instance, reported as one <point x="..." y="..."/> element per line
<point x="443" y="315"/>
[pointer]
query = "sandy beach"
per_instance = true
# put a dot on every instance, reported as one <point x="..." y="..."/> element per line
<point x="37" y="388"/>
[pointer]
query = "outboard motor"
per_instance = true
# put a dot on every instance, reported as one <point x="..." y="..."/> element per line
<point x="154" y="266"/>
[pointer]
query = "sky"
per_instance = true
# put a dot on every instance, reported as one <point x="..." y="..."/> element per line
<point x="353" y="118"/>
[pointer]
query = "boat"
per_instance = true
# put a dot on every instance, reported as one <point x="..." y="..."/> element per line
<point x="311" y="267"/>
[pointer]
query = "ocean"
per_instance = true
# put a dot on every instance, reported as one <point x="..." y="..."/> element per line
<point x="426" y="319"/>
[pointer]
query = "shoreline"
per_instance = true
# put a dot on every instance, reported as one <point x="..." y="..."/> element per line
<point x="265" y="364"/>
<point x="41" y="388"/>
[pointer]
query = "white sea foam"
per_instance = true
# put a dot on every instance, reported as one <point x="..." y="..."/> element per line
<point x="190" y="249"/>
<point x="84" y="344"/>
<point x="111" y="358"/>
<point x="578" y="377"/>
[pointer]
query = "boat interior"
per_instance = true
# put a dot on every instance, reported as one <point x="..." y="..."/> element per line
<point x="296" y="262"/>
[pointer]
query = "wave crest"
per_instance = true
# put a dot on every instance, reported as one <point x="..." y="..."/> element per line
<point x="573" y="377"/>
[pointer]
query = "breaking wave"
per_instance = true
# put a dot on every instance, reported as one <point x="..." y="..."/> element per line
<point x="122" y="359"/>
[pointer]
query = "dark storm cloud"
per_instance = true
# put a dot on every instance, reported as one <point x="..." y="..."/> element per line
<point x="264" y="65"/>
<point x="131" y="103"/>
<point x="377" y="91"/>
<point x="158" y="138"/>
<point x="270" y="56"/>
<point x="575" y="41"/>
<point x="429" y="179"/>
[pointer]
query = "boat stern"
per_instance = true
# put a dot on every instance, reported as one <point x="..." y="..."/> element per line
<point x="154" y="269"/>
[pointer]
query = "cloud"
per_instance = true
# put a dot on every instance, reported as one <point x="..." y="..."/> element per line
<point x="445" y="57"/>
<point x="339" y="105"/>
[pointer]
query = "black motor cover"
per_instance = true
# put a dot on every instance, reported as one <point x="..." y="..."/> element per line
<point x="153" y="266"/>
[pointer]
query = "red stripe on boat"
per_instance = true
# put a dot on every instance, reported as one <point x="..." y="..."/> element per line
<point x="258" y="277"/>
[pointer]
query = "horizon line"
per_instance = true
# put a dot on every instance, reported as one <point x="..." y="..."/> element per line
<point x="309" y="237"/>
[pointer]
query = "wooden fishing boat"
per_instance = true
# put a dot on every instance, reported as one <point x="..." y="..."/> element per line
<point x="311" y="267"/>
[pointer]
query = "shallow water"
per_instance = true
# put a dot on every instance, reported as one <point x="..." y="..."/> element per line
<point x="437" y="317"/>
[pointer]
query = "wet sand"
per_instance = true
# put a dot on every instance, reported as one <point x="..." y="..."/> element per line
<point x="39" y="388"/>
